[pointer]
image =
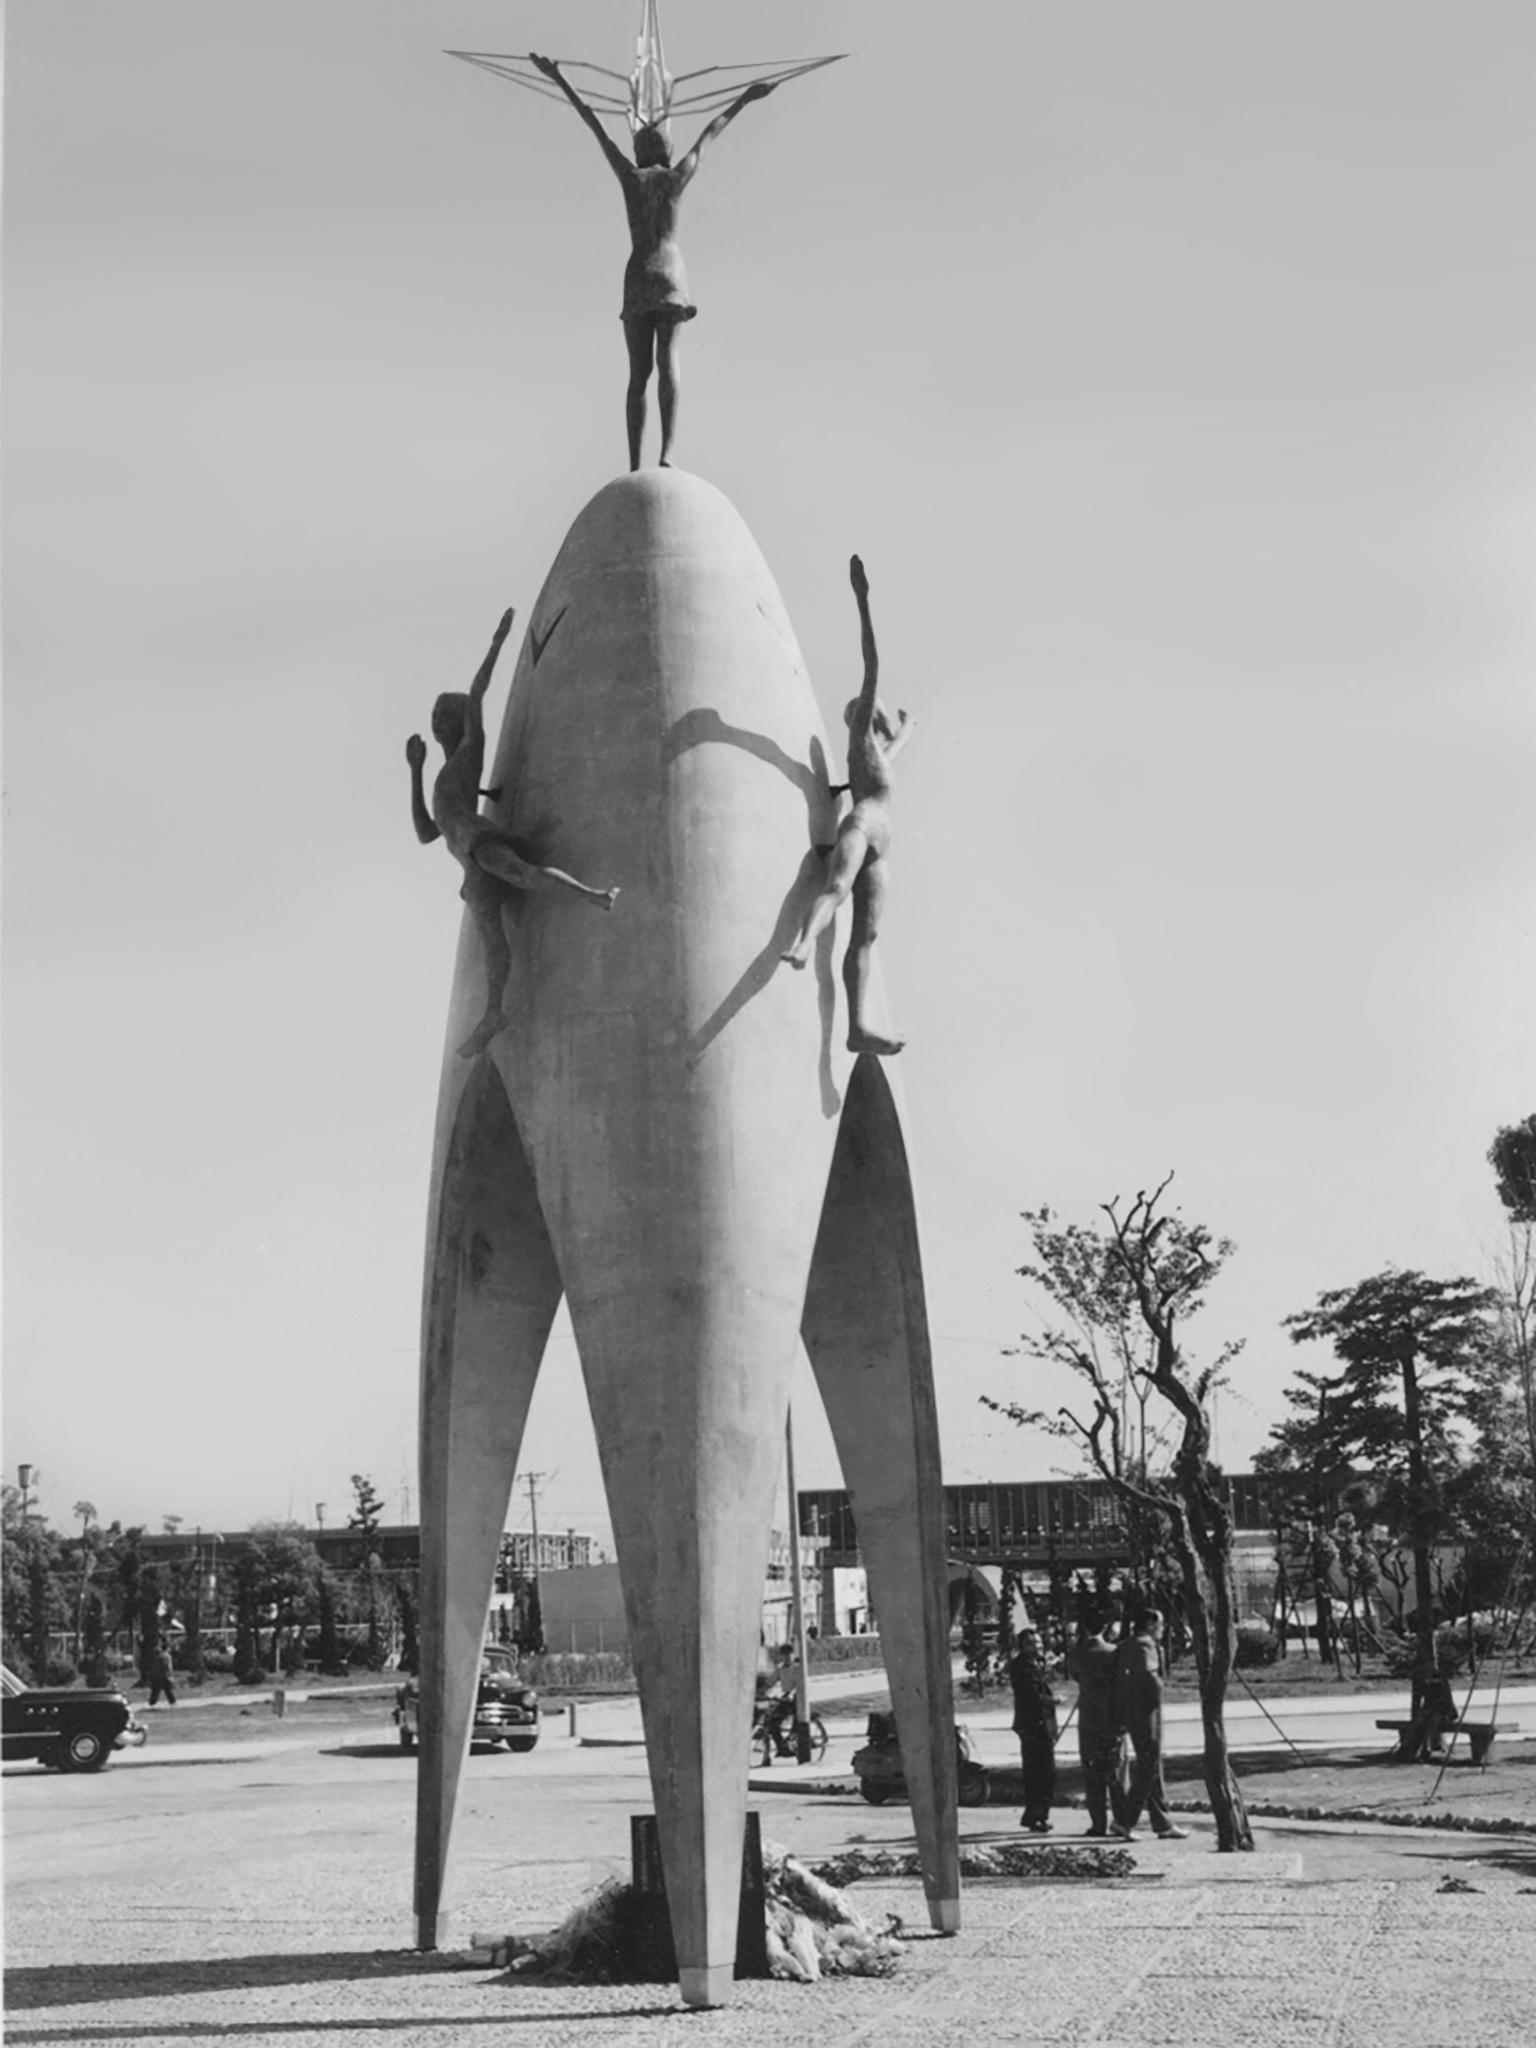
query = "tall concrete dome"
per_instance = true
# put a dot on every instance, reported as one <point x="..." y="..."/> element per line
<point x="669" y="1132"/>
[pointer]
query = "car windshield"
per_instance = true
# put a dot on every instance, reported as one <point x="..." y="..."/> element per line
<point x="13" y="1684"/>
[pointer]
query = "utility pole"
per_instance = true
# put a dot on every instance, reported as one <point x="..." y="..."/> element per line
<point x="533" y="1516"/>
<point x="797" y="1603"/>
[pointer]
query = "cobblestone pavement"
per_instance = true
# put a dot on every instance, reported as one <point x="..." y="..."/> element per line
<point x="260" y="1904"/>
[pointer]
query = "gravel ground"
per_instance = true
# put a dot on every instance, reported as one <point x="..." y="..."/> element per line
<point x="260" y="1897"/>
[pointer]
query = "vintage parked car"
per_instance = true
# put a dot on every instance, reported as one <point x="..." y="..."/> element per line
<point x="506" y="1708"/>
<point x="66" y="1727"/>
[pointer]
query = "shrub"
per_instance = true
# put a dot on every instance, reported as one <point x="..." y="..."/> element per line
<point x="59" y="1671"/>
<point x="1398" y="1655"/>
<point x="825" y="1650"/>
<point x="576" y="1670"/>
<point x="1257" y="1643"/>
<point x="1452" y="1639"/>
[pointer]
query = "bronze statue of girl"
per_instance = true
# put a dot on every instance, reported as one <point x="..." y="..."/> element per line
<point x="858" y="861"/>
<point x="492" y="860"/>
<point x="656" y="300"/>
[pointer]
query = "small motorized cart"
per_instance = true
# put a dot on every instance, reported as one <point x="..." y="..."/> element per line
<point x="878" y="1765"/>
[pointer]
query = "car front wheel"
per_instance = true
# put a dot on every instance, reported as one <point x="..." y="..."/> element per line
<point x="975" y="1786"/>
<point x="84" y="1749"/>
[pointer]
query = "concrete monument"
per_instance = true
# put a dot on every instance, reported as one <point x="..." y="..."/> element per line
<point x="664" y="1128"/>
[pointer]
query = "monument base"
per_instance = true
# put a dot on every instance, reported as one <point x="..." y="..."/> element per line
<point x="707" y="1985"/>
<point x="651" y="1920"/>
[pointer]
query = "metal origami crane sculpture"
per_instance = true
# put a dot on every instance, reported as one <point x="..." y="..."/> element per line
<point x="648" y="96"/>
<point x="650" y="1116"/>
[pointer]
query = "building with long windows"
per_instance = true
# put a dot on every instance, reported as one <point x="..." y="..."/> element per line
<point x="1039" y="1525"/>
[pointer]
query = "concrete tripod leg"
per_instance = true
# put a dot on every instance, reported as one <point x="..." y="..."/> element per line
<point x="688" y="1394"/>
<point x="492" y="1291"/>
<point x="866" y="1330"/>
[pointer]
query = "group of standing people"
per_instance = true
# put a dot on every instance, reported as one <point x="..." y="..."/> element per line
<point x="1119" y="1728"/>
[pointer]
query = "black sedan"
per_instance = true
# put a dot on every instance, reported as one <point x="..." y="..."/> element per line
<point x="66" y="1727"/>
<point x="506" y="1709"/>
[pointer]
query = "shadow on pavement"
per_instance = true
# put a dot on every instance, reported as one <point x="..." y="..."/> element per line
<point x="31" y="1990"/>
<point x="1518" y="1858"/>
<point x="406" y="1756"/>
<point x="234" y="2030"/>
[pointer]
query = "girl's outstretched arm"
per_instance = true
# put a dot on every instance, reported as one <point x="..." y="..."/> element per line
<point x="618" y="162"/>
<point x="421" y="817"/>
<point x="758" y="90"/>
<point x="482" y="682"/>
<point x="870" y="689"/>
<point x="474" y="715"/>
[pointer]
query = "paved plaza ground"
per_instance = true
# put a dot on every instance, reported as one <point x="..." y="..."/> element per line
<point x="256" y="1892"/>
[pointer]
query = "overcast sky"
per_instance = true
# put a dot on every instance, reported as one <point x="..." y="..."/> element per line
<point x="1173" y="368"/>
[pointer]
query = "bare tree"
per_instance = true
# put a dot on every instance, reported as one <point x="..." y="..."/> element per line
<point x="1125" y="1290"/>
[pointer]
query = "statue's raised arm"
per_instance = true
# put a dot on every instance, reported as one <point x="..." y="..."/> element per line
<point x="618" y="162"/>
<point x="759" y="89"/>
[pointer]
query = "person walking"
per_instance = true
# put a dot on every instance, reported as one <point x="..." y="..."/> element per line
<point x="1139" y="1703"/>
<point x="1100" y="1731"/>
<point x="1034" y="1722"/>
<point x="159" y="1676"/>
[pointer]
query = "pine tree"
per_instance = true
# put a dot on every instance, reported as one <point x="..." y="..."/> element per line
<point x="1412" y="1355"/>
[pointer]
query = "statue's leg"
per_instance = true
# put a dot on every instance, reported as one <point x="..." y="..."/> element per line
<point x="868" y="904"/>
<point x="666" y="385"/>
<point x="843" y="865"/>
<point x="640" y="340"/>
<point x="498" y="857"/>
<point x="485" y="898"/>
<point x="491" y="1295"/>
<point x="865" y="1327"/>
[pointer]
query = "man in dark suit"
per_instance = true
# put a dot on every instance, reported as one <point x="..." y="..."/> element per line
<point x="1034" y="1722"/>
<point x="1100" y="1731"/>
<point x="1139" y="1701"/>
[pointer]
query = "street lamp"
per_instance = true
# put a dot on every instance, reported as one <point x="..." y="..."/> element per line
<point x="24" y="1480"/>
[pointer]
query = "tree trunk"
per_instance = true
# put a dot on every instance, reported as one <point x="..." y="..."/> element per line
<point x="1423" y="1577"/>
<point x="1234" y="1831"/>
<point x="1210" y="1531"/>
<point x="1233" y="1828"/>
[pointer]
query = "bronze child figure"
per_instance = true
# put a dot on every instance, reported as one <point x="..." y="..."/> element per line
<point x="656" y="298"/>
<point x="857" y="862"/>
<point x="489" y="856"/>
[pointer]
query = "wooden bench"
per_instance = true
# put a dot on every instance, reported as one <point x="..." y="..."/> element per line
<point x="1479" y="1734"/>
